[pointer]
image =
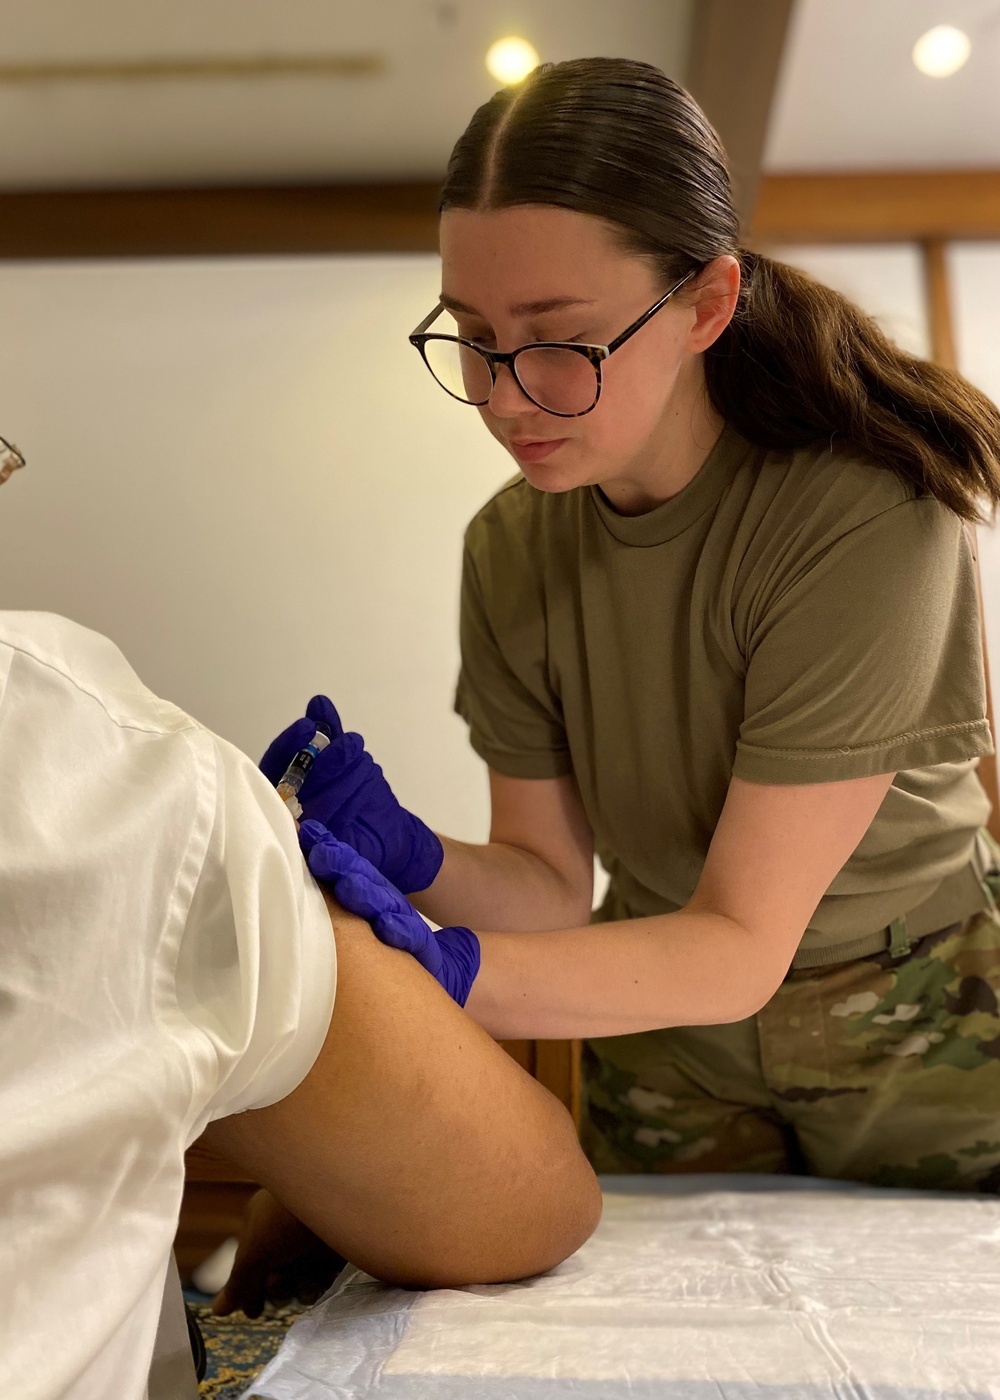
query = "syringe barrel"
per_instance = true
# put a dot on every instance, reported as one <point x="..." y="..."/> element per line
<point x="295" y="774"/>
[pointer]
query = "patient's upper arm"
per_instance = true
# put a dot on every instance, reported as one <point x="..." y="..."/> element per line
<point x="415" y="1146"/>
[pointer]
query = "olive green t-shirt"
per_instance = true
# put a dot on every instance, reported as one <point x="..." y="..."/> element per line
<point x="789" y="617"/>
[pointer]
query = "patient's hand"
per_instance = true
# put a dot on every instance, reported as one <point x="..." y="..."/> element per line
<point x="278" y="1258"/>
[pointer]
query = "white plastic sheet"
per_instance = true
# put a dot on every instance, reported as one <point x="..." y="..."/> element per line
<point x="799" y="1291"/>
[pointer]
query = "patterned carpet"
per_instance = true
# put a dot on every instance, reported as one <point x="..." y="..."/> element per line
<point x="237" y="1347"/>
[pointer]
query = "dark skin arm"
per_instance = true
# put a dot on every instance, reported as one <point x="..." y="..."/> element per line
<point x="415" y="1147"/>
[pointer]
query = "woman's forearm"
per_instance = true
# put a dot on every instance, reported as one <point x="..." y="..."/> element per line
<point x="501" y="887"/>
<point x="614" y="979"/>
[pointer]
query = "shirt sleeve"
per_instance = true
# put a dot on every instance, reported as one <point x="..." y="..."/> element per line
<point x="868" y="659"/>
<point x="515" y="721"/>
<point x="257" y="967"/>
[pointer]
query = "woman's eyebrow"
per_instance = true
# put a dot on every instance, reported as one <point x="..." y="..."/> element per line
<point x="522" y="308"/>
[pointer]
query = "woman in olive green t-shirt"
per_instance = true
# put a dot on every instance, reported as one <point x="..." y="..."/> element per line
<point x="723" y="630"/>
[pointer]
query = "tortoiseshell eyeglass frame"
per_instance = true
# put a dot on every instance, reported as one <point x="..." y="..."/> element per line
<point x="11" y="460"/>
<point x="596" y="354"/>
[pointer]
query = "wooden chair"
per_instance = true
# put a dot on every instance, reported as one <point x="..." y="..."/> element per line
<point x="216" y="1194"/>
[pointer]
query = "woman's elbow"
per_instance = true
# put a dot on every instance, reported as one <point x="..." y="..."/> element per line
<point x="748" y="997"/>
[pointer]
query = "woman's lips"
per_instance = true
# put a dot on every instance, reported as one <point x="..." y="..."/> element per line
<point x="535" y="451"/>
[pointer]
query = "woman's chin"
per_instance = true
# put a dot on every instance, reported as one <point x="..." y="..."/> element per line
<point x="552" y="476"/>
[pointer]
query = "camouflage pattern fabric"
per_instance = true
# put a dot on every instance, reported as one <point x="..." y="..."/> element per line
<point x="881" y="1070"/>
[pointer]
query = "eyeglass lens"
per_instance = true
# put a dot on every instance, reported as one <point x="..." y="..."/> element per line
<point x="562" y="381"/>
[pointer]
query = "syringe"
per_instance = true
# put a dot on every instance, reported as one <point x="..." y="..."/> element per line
<point x="298" y="770"/>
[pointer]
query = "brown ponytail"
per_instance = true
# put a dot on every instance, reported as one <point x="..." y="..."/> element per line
<point x="621" y="141"/>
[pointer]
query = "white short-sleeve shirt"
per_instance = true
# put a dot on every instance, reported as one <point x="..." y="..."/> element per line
<point x="165" y="960"/>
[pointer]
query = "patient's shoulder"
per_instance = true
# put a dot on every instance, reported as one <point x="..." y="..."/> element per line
<point x="44" y="652"/>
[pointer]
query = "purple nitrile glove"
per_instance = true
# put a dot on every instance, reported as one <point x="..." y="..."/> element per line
<point x="347" y="793"/>
<point x="451" y="955"/>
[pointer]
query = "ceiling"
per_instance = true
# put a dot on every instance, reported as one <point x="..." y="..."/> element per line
<point x="398" y="125"/>
<point x="848" y="95"/>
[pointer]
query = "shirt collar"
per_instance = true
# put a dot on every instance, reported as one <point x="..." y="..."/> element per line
<point x="665" y="522"/>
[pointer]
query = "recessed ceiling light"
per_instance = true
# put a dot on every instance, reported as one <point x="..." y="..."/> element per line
<point x="511" y="59"/>
<point x="941" y="51"/>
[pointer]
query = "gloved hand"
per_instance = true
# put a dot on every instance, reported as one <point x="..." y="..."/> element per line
<point x="451" y="955"/>
<point x="347" y="793"/>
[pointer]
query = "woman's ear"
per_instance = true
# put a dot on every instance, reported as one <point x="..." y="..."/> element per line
<point x="713" y="297"/>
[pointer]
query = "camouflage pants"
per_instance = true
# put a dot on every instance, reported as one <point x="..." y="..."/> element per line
<point x="879" y="1070"/>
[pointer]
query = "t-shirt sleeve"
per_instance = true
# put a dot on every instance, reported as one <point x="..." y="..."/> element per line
<point x="868" y="659"/>
<point x="257" y="966"/>
<point x="515" y="721"/>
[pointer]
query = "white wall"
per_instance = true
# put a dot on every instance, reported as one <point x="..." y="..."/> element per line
<point x="885" y="279"/>
<point x="241" y="472"/>
<point x="974" y="275"/>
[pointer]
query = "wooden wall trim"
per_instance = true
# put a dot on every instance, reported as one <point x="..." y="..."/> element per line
<point x="878" y="206"/>
<point x="403" y="218"/>
<point x="185" y="222"/>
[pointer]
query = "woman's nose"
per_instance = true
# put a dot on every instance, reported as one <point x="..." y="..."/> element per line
<point x="508" y="399"/>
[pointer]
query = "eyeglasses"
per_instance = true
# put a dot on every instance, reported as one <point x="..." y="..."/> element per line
<point x="10" y="460"/>
<point x="562" y="377"/>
